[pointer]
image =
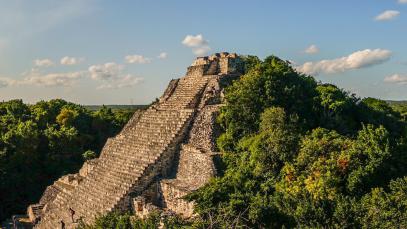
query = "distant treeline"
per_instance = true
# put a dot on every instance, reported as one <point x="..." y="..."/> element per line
<point x="115" y="107"/>
<point x="397" y="102"/>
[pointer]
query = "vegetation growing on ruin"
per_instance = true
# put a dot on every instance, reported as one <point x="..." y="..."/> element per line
<point x="41" y="142"/>
<point x="302" y="153"/>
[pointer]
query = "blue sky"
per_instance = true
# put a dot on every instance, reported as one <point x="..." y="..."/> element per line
<point x="125" y="52"/>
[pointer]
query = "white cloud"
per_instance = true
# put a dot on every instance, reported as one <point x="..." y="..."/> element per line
<point x="313" y="49"/>
<point x="403" y="1"/>
<point x="356" y="60"/>
<point x="43" y="63"/>
<point x="162" y="55"/>
<point x="137" y="59"/>
<point x="51" y="79"/>
<point x="71" y="60"/>
<point x="387" y="15"/>
<point x="396" y="78"/>
<point x="122" y="82"/>
<point x="105" y="71"/>
<point x="194" y="41"/>
<point x="199" y="45"/>
<point x="111" y="76"/>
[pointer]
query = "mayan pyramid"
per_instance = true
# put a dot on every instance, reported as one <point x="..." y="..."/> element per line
<point x="161" y="154"/>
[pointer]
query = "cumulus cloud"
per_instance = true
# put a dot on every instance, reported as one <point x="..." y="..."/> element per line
<point x="387" y="15"/>
<point x="199" y="45"/>
<point x="403" y="1"/>
<point x="356" y="60"/>
<point x="51" y="79"/>
<point x="162" y="55"/>
<point x="137" y="59"/>
<point x="111" y="74"/>
<point x="43" y="62"/>
<point x="105" y="71"/>
<point x="122" y="82"/>
<point x="71" y="60"/>
<point x="313" y="49"/>
<point x="36" y="78"/>
<point x="396" y="78"/>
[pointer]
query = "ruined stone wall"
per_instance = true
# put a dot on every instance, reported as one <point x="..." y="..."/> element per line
<point x="173" y="195"/>
<point x="205" y="130"/>
<point x="88" y="166"/>
<point x="198" y="70"/>
<point x="195" y="167"/>
<point x="49" y="194"/>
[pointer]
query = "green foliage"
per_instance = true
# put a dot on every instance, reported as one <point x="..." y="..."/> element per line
<point x="401" y="108"/>
<point x="303" y="154"/>
<point x="116" y="220"/>
<point x="41" y="142"/>
<point x="88" y="155"/>
<point x="272" y="82"/>
<point x="385" y="209"/>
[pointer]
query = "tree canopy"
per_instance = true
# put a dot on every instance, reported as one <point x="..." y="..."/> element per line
<point x="299" y="153"/>
<point x="41" y="142"/>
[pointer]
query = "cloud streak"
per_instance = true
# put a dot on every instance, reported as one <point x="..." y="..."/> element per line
<point x="52" y="79"/>
<point x="43" y="62"/>
<point x="105" y="71"/>
<point x="112" y="77"/>
<point x="162" y="55"/>
<point x="387" y="15"/>
<point x="122" y="82"/>
<point x="396" y="79"/>
<point x="137" y="59"/>
<point x="356" y="60"/>
<point x="312" y="49"/>
<point x="71" y="60"/>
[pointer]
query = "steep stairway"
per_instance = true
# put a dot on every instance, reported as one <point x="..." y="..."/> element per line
<point x="130" y="161"/>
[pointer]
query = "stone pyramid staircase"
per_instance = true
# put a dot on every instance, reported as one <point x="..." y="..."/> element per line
<point x="130" y="161"/>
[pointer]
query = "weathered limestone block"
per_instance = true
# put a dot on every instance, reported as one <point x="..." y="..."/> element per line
<point x="88" y="167"/>
<point x="34" y="212"/>
<point x="173" y="193"/>
<point x="195" y="167"/>
<point x="205" y="131"/>
<point x="49" y="194"/>
<point x="142" y="208"/>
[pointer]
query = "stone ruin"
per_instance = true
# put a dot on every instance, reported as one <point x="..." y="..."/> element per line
<point x="162" y="154"/>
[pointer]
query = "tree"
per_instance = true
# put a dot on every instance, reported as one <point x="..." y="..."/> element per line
<point x="304" y="154"/>
<point x="88" y="155"/>
<point x="385" y="209"/>
<point x="41" y="142"/>
<point x="272" y="82"/>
